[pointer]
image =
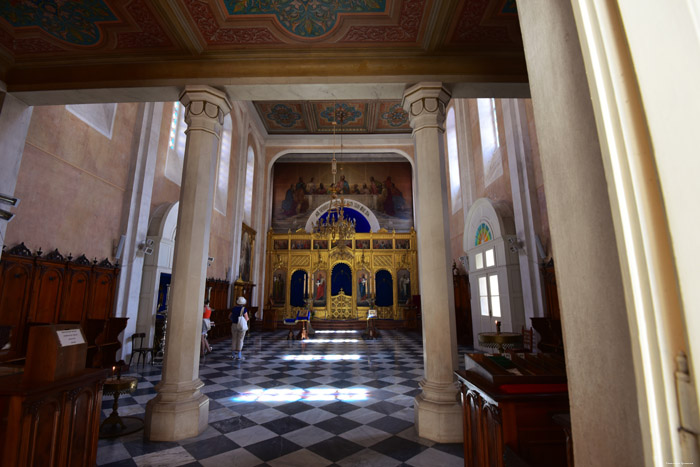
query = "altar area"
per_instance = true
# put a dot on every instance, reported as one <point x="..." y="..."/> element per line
<point x="342" y="280"/>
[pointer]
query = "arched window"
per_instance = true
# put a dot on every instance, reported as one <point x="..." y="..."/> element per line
<point x="176" y="144"/>
<point x="248" y="197"/>
<point x="222" y="171"/>
<point x="453" y="159"/>
<point x="488" y="124"/>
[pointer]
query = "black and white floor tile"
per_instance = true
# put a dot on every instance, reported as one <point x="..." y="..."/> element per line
<point x="335" y="399"/>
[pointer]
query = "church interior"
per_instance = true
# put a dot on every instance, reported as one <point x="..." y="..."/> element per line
<point x="457" y="228"/>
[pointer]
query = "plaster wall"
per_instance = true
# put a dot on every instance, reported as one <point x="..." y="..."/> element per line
<point x="72" y="182"/>
<point x="500" y="188"/>
<point x="541" y="227"/>
<point x="165" y="191"/>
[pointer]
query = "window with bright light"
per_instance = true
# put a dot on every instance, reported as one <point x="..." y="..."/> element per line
<point x="248" y="197"/>
<point x="495" y="299"/>
<point x="484" y="296"/>
<point x="222" y="171"/>
<point x="479" y="260"/>
<point x="453" y="159"/>
<point x="488" y="124"/>
<point x="176" y="144"/>
<point x="490" y="259"/>
<point x="489" y="297"/>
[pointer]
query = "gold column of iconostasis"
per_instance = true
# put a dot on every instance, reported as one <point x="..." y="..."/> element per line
<point x="302" y="267"/>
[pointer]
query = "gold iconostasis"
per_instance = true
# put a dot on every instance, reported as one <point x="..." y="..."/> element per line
<point x="341" y="280"/>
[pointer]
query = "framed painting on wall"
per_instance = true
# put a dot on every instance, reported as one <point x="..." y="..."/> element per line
<point x="245" y="268"/>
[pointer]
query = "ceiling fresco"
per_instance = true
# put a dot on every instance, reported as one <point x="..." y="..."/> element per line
<point x="305" y="19"/>
<point x="317" y="117"/>
<point x="49" y="44"/>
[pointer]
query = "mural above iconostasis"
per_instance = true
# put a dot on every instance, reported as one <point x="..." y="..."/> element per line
<point x="384" y="187"/>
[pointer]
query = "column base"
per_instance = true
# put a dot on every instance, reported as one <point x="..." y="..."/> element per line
<point x="176" y="416"/>
<point x="439" y="420"/>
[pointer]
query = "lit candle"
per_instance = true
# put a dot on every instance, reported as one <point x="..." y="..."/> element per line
<point x="113" y="369"/>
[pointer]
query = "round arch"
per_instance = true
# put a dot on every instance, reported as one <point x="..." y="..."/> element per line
<point x="354" y="209"/>
<point x="162" y="229"/>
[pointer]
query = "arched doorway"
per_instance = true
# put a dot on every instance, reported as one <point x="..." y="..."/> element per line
<point x="493" y="268"/>
<point x="156" y="266"/>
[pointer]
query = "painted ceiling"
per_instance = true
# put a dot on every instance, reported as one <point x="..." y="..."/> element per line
<point x="61" y="43"/>
<point x="317" y="117"/>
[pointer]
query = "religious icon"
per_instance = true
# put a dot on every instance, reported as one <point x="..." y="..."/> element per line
<point x="404" y="284"/>
<point x="245" y="264"/>
<point x="403" y="244"/>
<point x="281" y="244"/>
<point x="362" y="244"/>
<point x="363" y="287"/>
<point x="319" y="288"/>
<point x="382" y="244"/>
<point x="320" y="244"/>
<point x="278" y="287"/>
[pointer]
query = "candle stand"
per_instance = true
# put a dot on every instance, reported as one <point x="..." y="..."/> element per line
<point x="116" y="425"/>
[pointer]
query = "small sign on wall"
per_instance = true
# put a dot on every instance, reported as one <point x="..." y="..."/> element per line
<point x="69" y="337"/>
<point x="54" y="352"/>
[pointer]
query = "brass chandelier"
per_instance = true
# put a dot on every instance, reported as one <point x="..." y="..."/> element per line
<point x="334" y="225"/>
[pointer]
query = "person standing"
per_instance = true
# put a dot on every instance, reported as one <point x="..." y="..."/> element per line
<point x="206" y="326"/>
<point x="238" y="334"/>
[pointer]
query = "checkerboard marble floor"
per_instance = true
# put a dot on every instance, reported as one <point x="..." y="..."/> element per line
<point x="335" y="399"/>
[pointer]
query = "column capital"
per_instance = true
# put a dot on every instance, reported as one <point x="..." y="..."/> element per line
<point x="205" y="101"/>
<point x="426" y="103"/>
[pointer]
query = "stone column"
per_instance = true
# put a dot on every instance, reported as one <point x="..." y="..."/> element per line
<point x="438" y="413"/>
<point x="180" y="410"/>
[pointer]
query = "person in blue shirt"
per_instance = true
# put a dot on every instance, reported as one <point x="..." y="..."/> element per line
<point x="238" y="335"/>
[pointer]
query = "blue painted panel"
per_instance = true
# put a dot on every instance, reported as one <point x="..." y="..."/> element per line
<point x="341" y="278"/>
<point x="385" y="288"/>
<point x="296" y="291"/>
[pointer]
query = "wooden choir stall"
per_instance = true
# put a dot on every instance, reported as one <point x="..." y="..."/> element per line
<point x="50" y="409"/>
<point x="510" y="405"/>
<point x="58" y="343"/>
<point x="38" y="289"/>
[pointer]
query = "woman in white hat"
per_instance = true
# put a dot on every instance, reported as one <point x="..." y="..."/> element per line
<point x="238" y="328"/>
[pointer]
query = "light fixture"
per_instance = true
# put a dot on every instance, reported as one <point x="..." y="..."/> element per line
<point x="147" y="246"/>
<point x="334" y="226"/>
<point x="515" y="244"/>
<point x="7" y="199"/>
<point x="12" y="201"/>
